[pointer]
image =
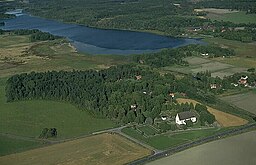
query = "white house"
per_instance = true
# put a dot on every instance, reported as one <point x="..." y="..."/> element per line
<point x="182" y="117"/>
<point x="164" y="118"/>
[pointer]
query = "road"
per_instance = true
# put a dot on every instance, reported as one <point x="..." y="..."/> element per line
<point x="157" y="153"/>
<point x="182" y="147"/>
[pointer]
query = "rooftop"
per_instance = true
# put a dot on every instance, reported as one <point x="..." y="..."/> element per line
<point x="186" y="115"/>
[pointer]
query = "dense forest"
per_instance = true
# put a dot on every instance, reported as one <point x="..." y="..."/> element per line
<point x="170" y="17"/>
<point x="125" y="93"/>
<point x="121" y="14"/>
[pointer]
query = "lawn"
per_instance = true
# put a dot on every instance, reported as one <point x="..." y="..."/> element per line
<point x="108" y="149"/>
<point x="167" y="140"/>
<point x="246" y="101"/>
<point x="11" y="145"/>
<point x="28" y="118"/>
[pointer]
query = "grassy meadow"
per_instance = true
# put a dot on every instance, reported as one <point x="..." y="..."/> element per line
<point x="200" y="64"/>
<point x="28" y="118"/>
<point x="18" y="55"/>
<point x="225" y="15"/>
<point x="245" y="58"/>
<point x="235" y="17"/>
<point x="245" y="52"/>
<point x="9" y="145"/>
<point x="108" y="149"/>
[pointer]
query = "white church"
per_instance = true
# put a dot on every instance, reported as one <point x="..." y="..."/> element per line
<point x="182" y="117"/>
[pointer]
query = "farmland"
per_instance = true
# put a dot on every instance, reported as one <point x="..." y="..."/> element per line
<point x="98" y="149"/>
<point x="199" y="64"/>
<point x="234" y="150"/>
<point x="245" y="53"/>
<point x="245" y="58"/>
<point x="232" y="16"/>
<point x="246" y="101"/>
<point x="224" y="119"/>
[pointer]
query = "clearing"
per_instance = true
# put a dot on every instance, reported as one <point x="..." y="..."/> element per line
<point x="99" y="149"/>
<point x="223" y="118"/>
<point x="246" y="101"/>
<point x="235" y="150"/>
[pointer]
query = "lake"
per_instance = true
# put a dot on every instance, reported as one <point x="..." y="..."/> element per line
<point x="98" y="41"/>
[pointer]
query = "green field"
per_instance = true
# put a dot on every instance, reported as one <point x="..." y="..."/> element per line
<point x="148" y="130"/>
<point x="28" y="118"/>
<point x="10" y="145"/>
<point x="167" y="140"/>
<point x="246" y="101"/>
<point x="108" y="149"/>
<point x="245" y="52"/>
<point x="245" y="58"/>
<point x="236" y="17"/>
<point x="234" y="150"/>
<point x="199" y="64"/>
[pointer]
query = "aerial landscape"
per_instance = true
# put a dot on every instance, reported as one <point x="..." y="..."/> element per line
<point x="127" y="82"/>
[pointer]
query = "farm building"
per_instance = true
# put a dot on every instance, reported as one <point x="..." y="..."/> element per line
<point x="182" y="117"/>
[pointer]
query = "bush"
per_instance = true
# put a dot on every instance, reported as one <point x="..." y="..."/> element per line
<point x="48" y="133"/>
<point x="189" y="123"/>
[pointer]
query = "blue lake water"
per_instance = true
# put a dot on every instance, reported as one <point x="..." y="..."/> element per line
<point x="99" y="41"/>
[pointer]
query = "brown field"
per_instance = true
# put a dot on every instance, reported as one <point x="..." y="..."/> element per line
<point x="99" y="149"/>
<point x="224" y="119"/>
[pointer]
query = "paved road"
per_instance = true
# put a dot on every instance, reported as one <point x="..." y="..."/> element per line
<point x="182" y="147"/>
<point x="157" y="153"/>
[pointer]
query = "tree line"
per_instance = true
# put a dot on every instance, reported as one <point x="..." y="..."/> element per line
<point x="125" y="93"/>
<point x="35" y="35"/>
<point x="167" y="57"/>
